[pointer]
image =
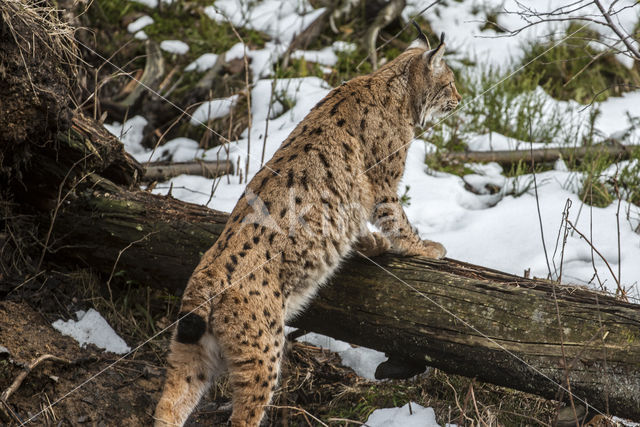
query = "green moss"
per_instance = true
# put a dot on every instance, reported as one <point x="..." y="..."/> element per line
<point x="575" y="70"/>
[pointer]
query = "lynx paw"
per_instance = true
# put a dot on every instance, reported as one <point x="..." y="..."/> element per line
<point x="428" y="249"/>
<point x="373" y="244"/>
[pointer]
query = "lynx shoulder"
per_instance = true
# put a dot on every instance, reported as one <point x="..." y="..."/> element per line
<point x="304" y="212"/>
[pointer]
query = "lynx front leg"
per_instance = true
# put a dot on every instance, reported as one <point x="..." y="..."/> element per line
<point x="373" y="244"/>
<point x="390" y="218"/>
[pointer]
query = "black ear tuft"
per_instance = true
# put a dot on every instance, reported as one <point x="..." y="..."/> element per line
<point x="421" y="35"/>
<point x="442" y="37"/>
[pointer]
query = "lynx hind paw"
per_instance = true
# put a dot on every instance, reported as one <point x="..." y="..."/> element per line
<point x="373" y="244"/>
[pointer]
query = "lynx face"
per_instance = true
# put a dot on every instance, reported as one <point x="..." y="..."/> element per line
<point x="431" y="81"/>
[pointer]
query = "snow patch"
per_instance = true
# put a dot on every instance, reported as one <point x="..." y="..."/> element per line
<point x="92" y="328"/>
<point x="203" y="63"/>
<point x="153" y="3"/>
<point x="214" y="109"/>
<point x="174" y="46"/>
<point x="130" y="133"/>
<point x="140" y="23"/>
<point x="362" y="360"/>
<point x="140" y="35"/>
<point x="325" y="56"/>
<point x="417" y="416"/>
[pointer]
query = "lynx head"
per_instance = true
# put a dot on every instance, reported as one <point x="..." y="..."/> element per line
<point x="430" y="81"/>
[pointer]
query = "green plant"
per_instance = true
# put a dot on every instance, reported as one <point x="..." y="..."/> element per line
<point x="405" y="199"/>
<point x="576" y="70"/>
<point x="513" y="107"/>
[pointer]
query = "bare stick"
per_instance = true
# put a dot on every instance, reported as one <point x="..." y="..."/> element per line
<point x="22" y="375"/>
<point x="118" y="259"/>
<point x="207" y="169"/>
<point x="248" y="89"/>
<point x="535" y="187"/>
<point x="616" y="29"/>
<point x="301" y="411"/>
<point x="61" y="200"/>
<point x="565" y="368"/>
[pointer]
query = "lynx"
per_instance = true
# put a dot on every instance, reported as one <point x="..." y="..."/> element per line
<point x="303" y="213"/>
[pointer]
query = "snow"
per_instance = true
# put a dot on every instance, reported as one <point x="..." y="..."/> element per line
<point x="280" y="19"/>
<point x="362" y="360"/>
<point x="92" y="328"/>
<point x="325" y="56"/>
<point x="213" y="109"/>
<point x="417" y="416"/>
<point x="149" y="3"/>
<point x="236" y="52"/>
<point x="176" y="150"/>
<point x="141" y="35"/>
<point x="203" y="63"/>
<point x="174" y="46"/>
<point x="130" y="133"/>
<point x="346" y="47"/>
<point x="152" y="3"/>
<point x="139" y="24"/>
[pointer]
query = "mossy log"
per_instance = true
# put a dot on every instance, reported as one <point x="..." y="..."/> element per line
<point x="610" y="148"/>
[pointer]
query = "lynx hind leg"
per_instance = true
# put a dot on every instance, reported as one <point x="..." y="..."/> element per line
<point x="193" y="361"/>
<point x="254" y="367"/>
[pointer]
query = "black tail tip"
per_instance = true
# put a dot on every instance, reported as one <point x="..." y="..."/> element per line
<point x="191" y="327"/>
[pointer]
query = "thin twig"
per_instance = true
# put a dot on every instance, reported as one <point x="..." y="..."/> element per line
<point x="248" y="90"/>
<point x="22" y="375"/>
<point x="619" y="290"/>
<point x="266" y="124"/>
<point x="60" y="202"/>
<point x="565" y="367"/>
<point x="118" y="259"/>
<point x="300" y="410"/>
<point x="535" y="187"/>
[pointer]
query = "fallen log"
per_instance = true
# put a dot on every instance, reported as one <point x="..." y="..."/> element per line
<point x="458" y="317"/>
<point x="612" y="149"/>
<point x="207" y="169"/>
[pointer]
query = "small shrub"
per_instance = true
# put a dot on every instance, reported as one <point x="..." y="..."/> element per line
<point x="576" y="70"/>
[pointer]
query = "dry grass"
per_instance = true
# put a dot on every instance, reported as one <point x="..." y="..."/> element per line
<point x="48" y="35"/>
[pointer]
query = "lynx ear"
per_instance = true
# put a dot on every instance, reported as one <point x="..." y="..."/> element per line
<point x="421" y="37"/>
<point x="435" y="56"/>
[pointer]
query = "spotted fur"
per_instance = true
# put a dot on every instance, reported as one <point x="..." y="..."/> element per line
<point x="300" y="216"/>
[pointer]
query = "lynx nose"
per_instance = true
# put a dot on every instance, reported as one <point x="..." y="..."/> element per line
<point x="456" y="94"/>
